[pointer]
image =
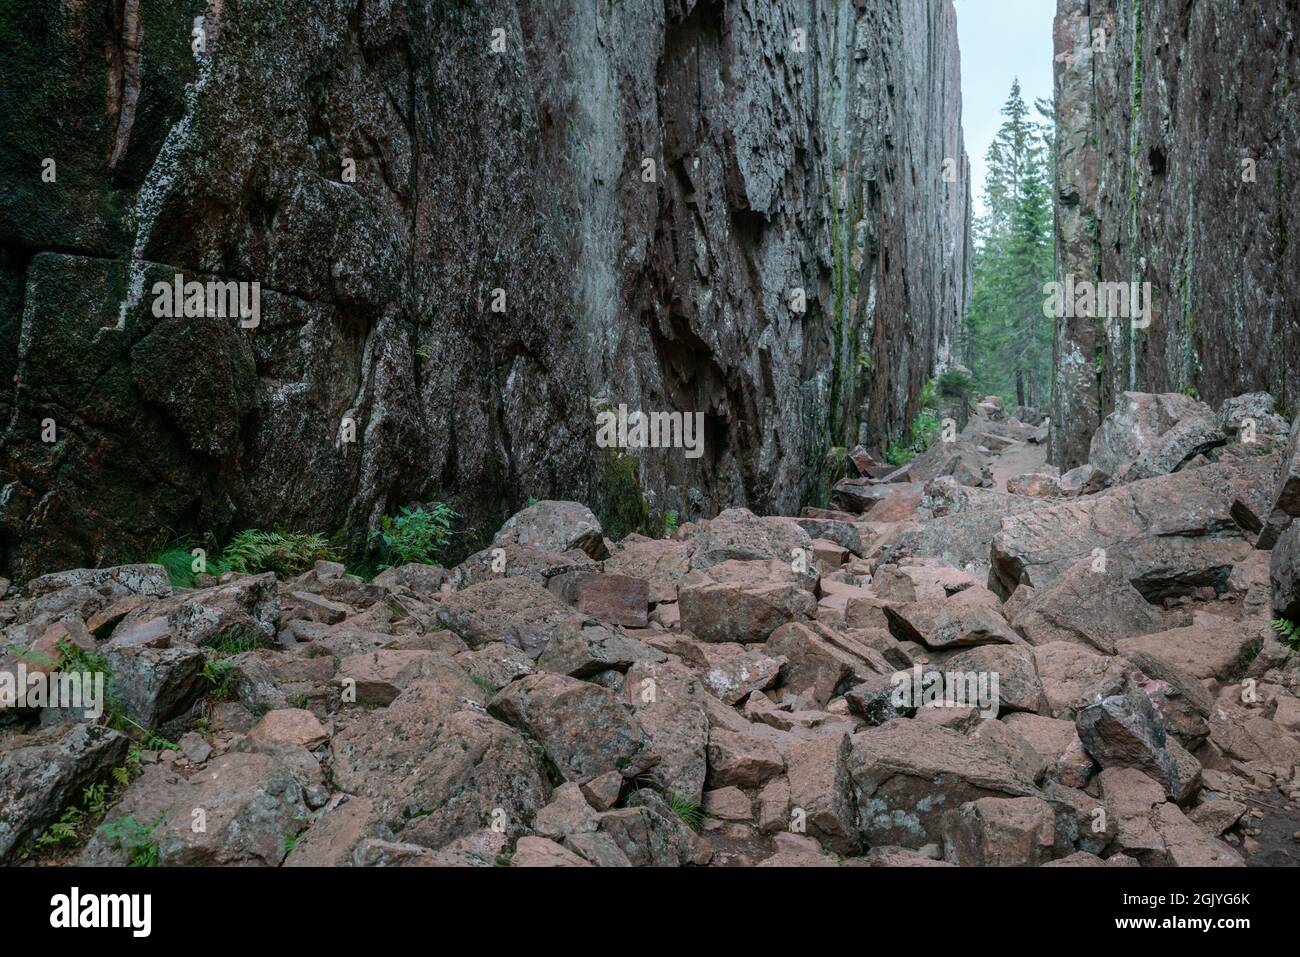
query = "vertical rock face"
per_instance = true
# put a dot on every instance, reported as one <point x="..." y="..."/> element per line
<point x="1177" y="126"/>
<point x="1075" y="400"/>
<point x="803" y="151"/>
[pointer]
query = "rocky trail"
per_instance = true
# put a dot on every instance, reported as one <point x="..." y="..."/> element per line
<point x="553" y="432"/>
<point x="749" y="691"/>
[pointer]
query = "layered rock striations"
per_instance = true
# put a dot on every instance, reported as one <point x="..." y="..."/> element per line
<point x="472" y="225"/>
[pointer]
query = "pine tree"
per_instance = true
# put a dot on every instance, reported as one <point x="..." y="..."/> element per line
<point x="1011" y="339"/>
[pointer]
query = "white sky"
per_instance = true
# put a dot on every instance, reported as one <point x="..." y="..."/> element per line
<point x="1000" y="40"/>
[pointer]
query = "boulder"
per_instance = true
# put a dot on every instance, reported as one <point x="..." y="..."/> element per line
<point x="971" y="617"/>
<point x="254" y="799"/>
<point x="875" y="702"/>
<point x="1286" y="497"/>
<point x="906" y="775"/>
<point x="517" y="561"/>
<point x="669" y="705"/>
<point x="436" y="768"/>
<point x="741" y="759"/>
<point x="1259" y="408"/>
<point x="295" y="726"/>
<point x="1124" y="731"/>
<point x="820" y="787"/>
<point x="155" y="685"/>
<point x="1092" y="603"/>
<point x="1216" y="817"/>
<point x="115" y="582"/>
<point x="423" y="581"/>
<point x="728" y="804"/>
<point x="42" y="774"/>
<point x="1036" y="485"/>
<point x="554" y="527"/>
<point x="844" y="534"/>
<point x="1013" y="675"/>
<point x="797" y="850"/>
<point x="614" y="599"/>
<point x="1057" y="742"/>
<point x="944" y="497"/>
<point x="263" y="679"/>
<point x="889" y="856"/>
<point x="882" y="501"/>
<point x="603" y="792"/>
<point x="317" y="608"/>
<point x="245" y="605"/>
<point x="1154" y="830"/>
<point x="377" y="677"/>
<point x="582" y="652"/>
<point x="495" y="665"/>
<point x="583" y="729"/>
<point x="1000" y="832"/>
<point x="820" y="662"/>
<point x="960" y="540"/>
<point x="1140" y="424"/>
<point x="539" y="852"/>
<point x="650" y="834"/>
<point x="1184" y="443"/>
<point x="1086" y="479"/>
<point x="661" y="563"/>
<point x="331" y="838"/>
<point x="739" y="534"/>
<point x="1284" y="575"/>
<point x="518" y="612"/>
<point x="1211" y="647"/>
<point x="1036" y="546"/>
<point x="724" y="611"/>
<point x="729" y="671"/>
<point x="1162" y="569"/>
<point x="774" y="806"/>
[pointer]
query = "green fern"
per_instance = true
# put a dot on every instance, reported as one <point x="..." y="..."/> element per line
<point x="1288" y="632"/>
<point x="65" y="832"/>
<point x="285" y="553"/>
<point x="216" y="674"/>
<point x="416" y="534"/>
<point x="128" y="834"/>
<point x="72" y="827"/>
<point x="179" y="565"/>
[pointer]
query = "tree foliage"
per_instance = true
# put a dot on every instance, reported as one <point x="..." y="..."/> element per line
<point x="1010" y="338"/>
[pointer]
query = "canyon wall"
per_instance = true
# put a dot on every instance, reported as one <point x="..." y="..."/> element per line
<point x="1177" y="129"/>
<point x="474" y="224"/>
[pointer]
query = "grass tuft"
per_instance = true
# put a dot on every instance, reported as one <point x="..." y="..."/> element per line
<point x="691" y="813"/>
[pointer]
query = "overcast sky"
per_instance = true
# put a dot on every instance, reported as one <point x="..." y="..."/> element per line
<point x="1000" y="40"/>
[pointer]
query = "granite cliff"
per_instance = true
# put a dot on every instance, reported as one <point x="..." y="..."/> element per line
<point x="472" y="224"/>
<point x="1176" y="135"/>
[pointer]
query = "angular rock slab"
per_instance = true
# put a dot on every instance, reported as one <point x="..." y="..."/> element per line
<point x="584" y="730"/>
<point x="907" y="775"/>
